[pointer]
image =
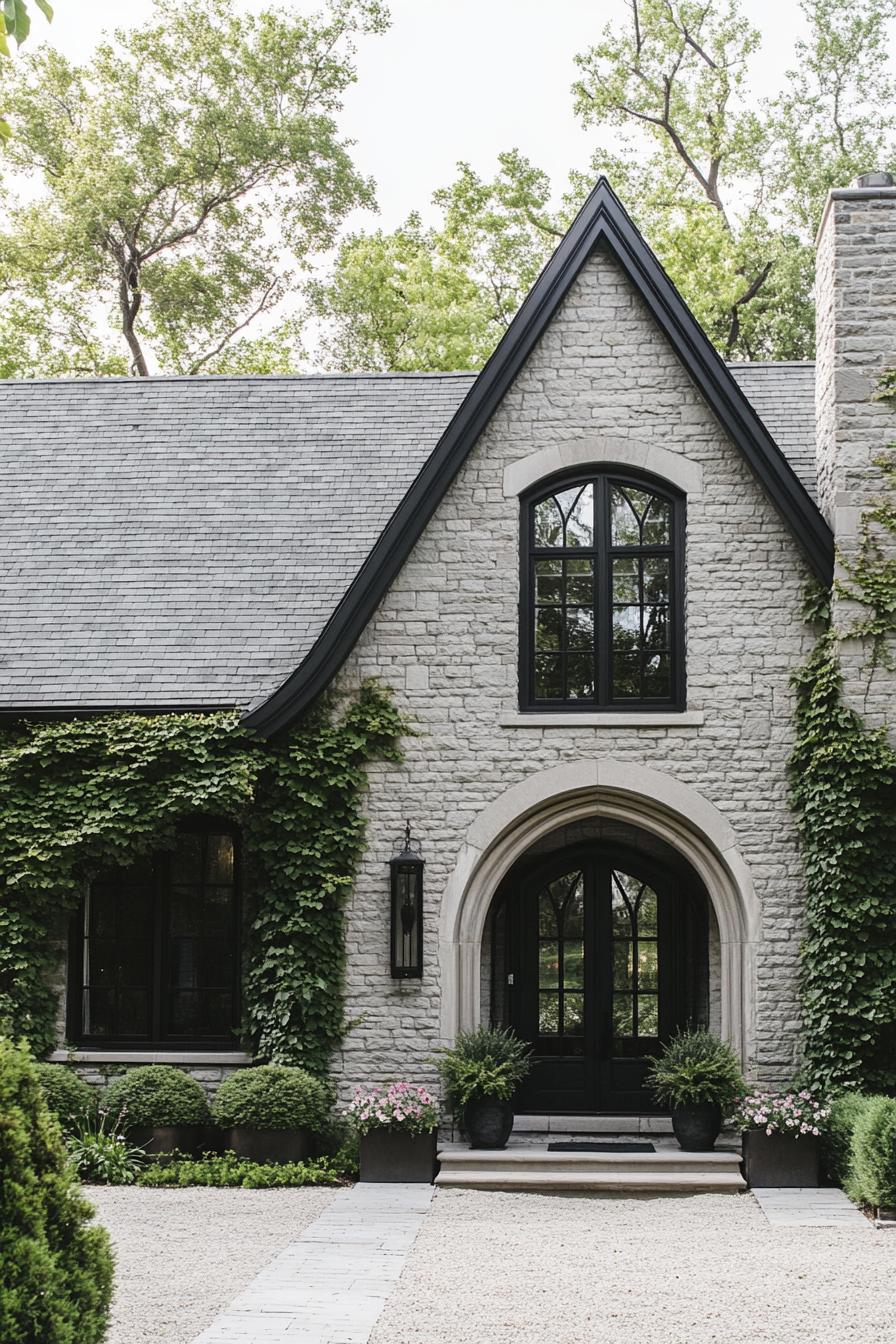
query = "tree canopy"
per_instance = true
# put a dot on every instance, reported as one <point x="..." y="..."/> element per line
<point x="187" y="181"/>
<point x="15" y="24"/>
<point x="184" y="179"/>
<point x="727" y="189"/>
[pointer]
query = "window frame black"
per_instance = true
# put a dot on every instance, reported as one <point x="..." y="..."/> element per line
<point x="158" y="1040"/>
<point x="602" y="552"/>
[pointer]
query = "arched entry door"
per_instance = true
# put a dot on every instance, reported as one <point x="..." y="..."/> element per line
<point x="604" y="956"/>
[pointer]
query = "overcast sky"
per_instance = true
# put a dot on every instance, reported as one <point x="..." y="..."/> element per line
<point x="456" y="79"/>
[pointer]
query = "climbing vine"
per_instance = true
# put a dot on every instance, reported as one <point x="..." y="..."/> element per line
<point x="304" y="840"/>
<point x="844" y="791"/>
<point x="81" y="796"/>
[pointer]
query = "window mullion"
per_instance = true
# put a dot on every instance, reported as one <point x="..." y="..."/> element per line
<point x="158" y="952"/>
<point x="603" y="592"/>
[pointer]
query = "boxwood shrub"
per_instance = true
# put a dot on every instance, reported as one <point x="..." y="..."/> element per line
<point x="156" y="1094"/>
<point x="273" y="1096"/>
<point x="57" y="1270"/>
<point x="874" y="1153"/>
<point x="861" y="1148"/>
<point x="70" y="1099"/>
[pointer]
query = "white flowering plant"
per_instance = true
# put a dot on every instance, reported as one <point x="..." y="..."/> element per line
<point x="401" y="1106"/>
<point x="793" y="1113"/>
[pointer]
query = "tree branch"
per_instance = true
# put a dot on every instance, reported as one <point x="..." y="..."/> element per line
<point x="225" y="340"/>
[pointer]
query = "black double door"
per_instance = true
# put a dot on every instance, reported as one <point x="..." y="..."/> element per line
<point x="600" y="970"/>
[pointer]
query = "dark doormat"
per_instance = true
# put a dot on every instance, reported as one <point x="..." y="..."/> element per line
<point x="601" y="1148"/>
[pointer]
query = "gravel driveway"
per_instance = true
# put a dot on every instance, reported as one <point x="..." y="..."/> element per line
<point x="182" y="1255"/>
<point x="492" y="1268"/>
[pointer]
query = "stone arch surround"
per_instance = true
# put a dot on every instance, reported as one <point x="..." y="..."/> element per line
<point x="599" y="451"/>
<point x="575" y="791"/>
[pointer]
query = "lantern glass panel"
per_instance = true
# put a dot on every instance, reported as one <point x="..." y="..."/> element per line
<point x="407" y="880"/>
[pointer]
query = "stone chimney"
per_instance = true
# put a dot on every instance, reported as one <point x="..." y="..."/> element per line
<point x="856" y="342"/>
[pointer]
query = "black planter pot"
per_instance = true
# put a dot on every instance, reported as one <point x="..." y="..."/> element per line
<point x="780" y="1159"/>
<point x="168" y="1138"/>
<point x="390" y="1155"/>
<point x="488" y="1122"/>
<point x="270" y="1145"/>
<point x="697" y="1127"/>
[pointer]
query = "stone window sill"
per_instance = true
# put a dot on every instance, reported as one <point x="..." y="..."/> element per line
<point x="692" y="718"/>
<point x="93" y="1056"/>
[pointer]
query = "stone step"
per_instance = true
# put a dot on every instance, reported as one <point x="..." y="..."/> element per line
<point x="535" y="1169"/>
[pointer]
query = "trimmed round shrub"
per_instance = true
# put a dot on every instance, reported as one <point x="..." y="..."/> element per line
<point x="57" y="1270"/>
<point x="273" y="1096"/>
<point x="156" y="1094"/>
<point x="874" y="1152"/>
<point x="71" y="1100"/>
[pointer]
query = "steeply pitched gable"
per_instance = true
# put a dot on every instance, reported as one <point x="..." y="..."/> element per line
<point x="602" y="222"/>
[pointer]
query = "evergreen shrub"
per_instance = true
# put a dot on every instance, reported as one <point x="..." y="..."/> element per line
<point x="837" y="1141"/>
<point x="56" y="1280"/>
<point x="874" y="1153"/>
<point x="861" y="1148"/>
<point x="273" y="1096"/>
<point x="156" y="1094"/>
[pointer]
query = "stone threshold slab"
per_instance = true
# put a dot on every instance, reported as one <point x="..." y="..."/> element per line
<point x="810" y="1206"/>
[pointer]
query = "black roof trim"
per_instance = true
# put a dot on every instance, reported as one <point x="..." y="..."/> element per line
<point x="602" y="220"/>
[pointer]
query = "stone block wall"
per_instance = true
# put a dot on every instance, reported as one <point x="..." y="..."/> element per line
<point x="446" y="639"/>
<point x="856" y="307"/>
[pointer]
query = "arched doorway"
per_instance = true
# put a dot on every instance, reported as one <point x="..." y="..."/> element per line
<point x="598" y="949"/>
<point x="517" y="823"/>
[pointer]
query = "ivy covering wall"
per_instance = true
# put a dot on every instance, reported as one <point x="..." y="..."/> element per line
<point x="844" y="790"/>
<point x="79" y="797"/>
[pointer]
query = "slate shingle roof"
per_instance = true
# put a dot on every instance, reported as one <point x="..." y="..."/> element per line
<point x="182" y="542"/>
<point x="783" y="396"/>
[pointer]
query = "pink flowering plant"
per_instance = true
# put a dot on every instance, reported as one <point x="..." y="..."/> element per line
<point x="401" y="1106"/>
<point x="794" y="1113"/>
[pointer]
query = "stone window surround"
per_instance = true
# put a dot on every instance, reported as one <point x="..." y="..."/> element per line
<point x="600" y="452"/>
<point x="78" y="1055"/>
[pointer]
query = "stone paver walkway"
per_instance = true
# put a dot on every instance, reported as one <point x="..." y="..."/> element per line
<point x="810" y="1207"/>
<point x="330" y="1285"/>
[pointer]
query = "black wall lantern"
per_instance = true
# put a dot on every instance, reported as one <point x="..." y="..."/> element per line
<point x="406" y="932"/>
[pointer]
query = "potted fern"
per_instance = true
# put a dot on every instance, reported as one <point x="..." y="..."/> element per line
<point x="481" y="1074"/>
<point x="698" y="1077"/>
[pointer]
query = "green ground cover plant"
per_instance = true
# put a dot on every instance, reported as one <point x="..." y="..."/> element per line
<point x="227" y="1171"/>
<point x="56" y="1281"/>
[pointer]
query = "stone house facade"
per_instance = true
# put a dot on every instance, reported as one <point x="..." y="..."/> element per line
<point x="582" y="574"/>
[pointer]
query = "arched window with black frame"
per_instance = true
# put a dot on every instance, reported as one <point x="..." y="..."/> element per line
<point x="155" y="947"/>
<point x="602" y="594"/>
